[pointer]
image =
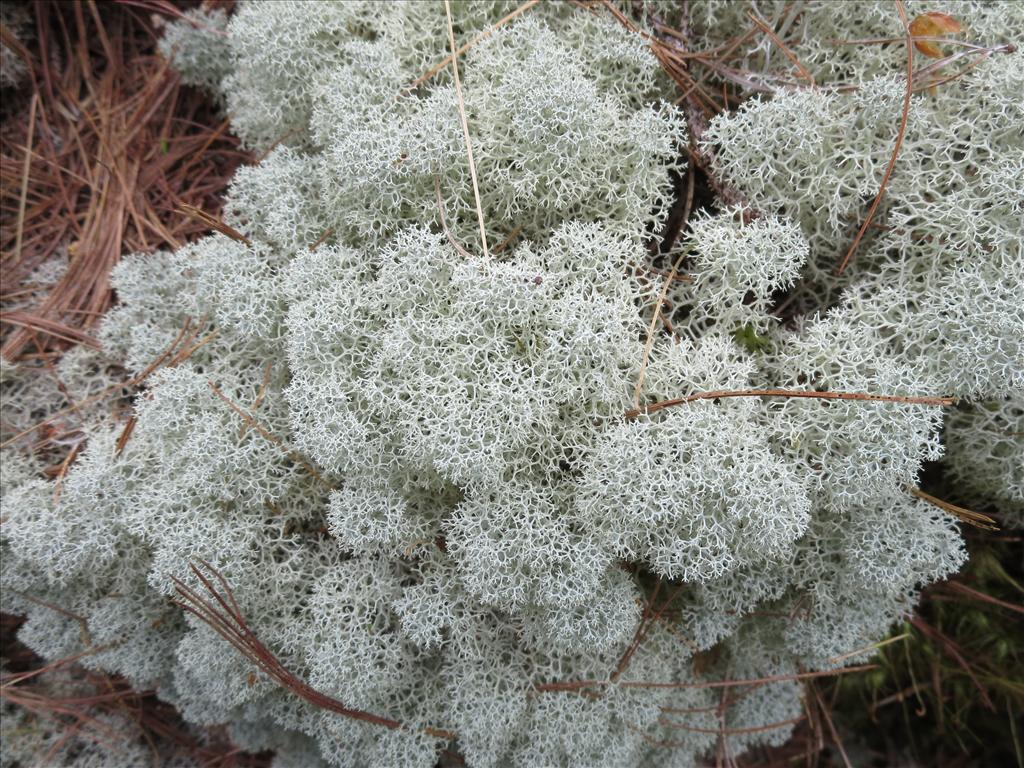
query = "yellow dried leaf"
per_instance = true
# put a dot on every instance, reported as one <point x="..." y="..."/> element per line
<point x="932" y="24"/>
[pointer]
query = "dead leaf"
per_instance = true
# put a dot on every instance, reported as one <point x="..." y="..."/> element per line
<point x="933" y="24"/>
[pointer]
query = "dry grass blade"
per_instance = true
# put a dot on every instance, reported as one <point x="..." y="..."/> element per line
<point x="465" y="130"/>
<point x="223" y="615"/>
<point x="24" y="177"/>
<point x="649" y="342"/>
<point x="904" y="117"/>
<point x="866" y="648"/>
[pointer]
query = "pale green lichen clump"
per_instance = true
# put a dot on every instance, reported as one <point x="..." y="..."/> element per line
<point x="451" y="510"/>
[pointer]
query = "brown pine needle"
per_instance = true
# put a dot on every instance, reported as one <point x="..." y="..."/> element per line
<point x="213" y="223"/>
<point x="444" y="221"/>
<point x="483" y="35"/>
<point x="267" y="435"/>
<point x="831" y="726"/>
<point x="465" y="129"/>
<point x="59" y="483"/>
<point x="126" y="434"/>
<point x="729" y="731"/>
<point x="766" y="28"/>
<point x="260" y="394"/>
<point x="322" y="239"/>
<point x="223" y="615"/>
<point x="187" y="351"/>
<point x="50" y="327"/>
<point x="976" y="519"/>
<point x="721" y="394"/>
<point x="580" y="684"/>
<point x="135" y="381"/>
<point x="508" y="240"/>
<point x="955" y="652"/>
<point x="974" y="594"/>
<point x="114" y="145"/>
<point x="896" y="148"/>
<point x="638" y="634"/>
<point x="649" y="343"/>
